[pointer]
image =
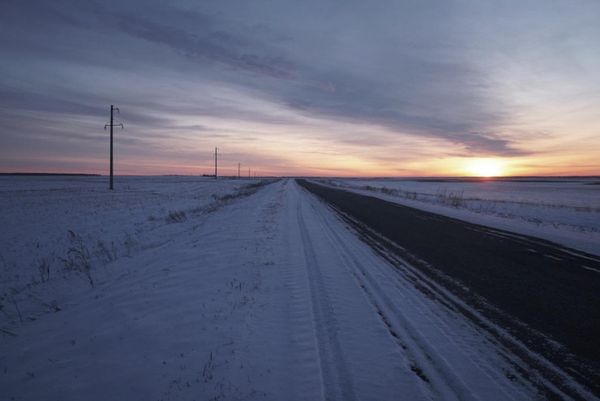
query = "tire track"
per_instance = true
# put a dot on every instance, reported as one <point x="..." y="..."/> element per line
<point x="337" y="381"/>
<point x="550" y="380"/>
<point x="429" y="366"/>
<point x="306" y="381"/>
<point x="538" y="360"/>
<point x="425" y="361"/>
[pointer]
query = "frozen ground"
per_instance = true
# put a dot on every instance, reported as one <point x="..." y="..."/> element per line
<point x="566" y="211"/>
<point x="264" y="294"/>
<point x="54" y="225"/>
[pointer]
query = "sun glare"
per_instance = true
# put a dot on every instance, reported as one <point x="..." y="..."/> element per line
<point x="485" y="168"/>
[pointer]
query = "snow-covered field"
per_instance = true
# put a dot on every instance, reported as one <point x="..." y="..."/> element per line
<point x="562" y="210"/>
<point x="216" y="290"/>
<point x="55" y="226"/>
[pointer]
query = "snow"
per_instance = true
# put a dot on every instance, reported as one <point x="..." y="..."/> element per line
<point x="561" y="210"/>
<point x="267" y="295"/>
<point x="40" y="213"/>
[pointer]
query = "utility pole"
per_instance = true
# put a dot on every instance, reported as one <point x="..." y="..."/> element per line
<point x="239" y="165"/>
<point x="216" y="150"/>
<point x="111" y="125"/>
<point x="248" y="172"/>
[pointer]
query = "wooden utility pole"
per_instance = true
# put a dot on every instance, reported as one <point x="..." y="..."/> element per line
<point x="239" y="165"/>
<point x="111" y="125"/>
<point x="216" y="150"/>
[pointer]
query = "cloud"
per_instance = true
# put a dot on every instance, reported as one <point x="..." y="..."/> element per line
<point x="424" y="96"/>
<point x="358" y="77"/>
<point x="217" y="46"/>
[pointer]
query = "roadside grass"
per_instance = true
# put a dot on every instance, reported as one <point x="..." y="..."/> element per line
<point x="176" y="217"/>
<point x="78" y="258"/>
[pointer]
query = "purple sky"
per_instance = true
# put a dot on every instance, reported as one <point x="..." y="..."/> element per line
<point x="301" y="87"/>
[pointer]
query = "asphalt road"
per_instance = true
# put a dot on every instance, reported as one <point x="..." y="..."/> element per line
<point x="552" y="289"/>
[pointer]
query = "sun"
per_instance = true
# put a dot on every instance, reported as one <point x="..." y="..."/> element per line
<point x="485" y="167"/>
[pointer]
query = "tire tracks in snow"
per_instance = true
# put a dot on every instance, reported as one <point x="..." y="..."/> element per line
<point x="440" y="377"/>
<point x="532" y="290"/>
<point x="551" y="381"/>
<point x="407" y="280"/>
<point x="336" y="379"/>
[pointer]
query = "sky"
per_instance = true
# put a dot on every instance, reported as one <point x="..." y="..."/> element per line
<point x="311" y="87"/>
